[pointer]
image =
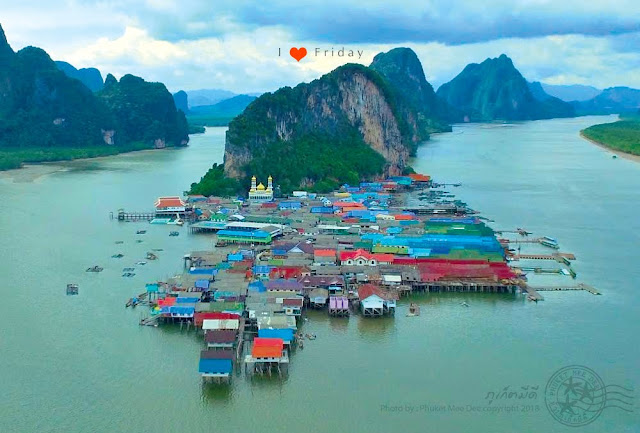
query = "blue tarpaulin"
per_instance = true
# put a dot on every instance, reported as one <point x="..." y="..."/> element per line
<point x="152" y="288"/>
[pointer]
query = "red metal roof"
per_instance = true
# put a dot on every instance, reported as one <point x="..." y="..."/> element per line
<point x="436" y="270"/>
<point x="366" y="290"/>
<point x="292" y="302"/>
<point x="164" y="202"/>
<point x="267" y="347"/>
<point x="216" y="354"/>
<point x="220" y="336"/>
<point x="348" y="204"/>
<point x="286" y="272"/>
<point x="354" y="255"/>
<point x="419" y="177"/>
<point x="404" y="217"/>
<point x="328" y="252"/>
<point x="199" y="317"/>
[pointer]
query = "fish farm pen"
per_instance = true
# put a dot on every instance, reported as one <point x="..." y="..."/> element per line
<point x="355" y="252"/>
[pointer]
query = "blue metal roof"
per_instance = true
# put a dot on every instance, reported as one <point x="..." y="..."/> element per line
<point x="215" y="366"/>
<point x="244" y="234"/>
<point x="286" y="334"/>
<point x="181" y="311"/>
<point x="257" y="286"/>
<point x="261" y="269"/>
<point x="203" y="271"/>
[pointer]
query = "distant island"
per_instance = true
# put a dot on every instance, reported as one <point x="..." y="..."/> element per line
<point x="46" y="114"/>
<point x="495" y="89"/>
<point x="623" y="135"/>
<point x="220" y="113"/>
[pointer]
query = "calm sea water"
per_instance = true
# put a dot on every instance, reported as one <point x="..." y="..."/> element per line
<point x="77" y="364"/>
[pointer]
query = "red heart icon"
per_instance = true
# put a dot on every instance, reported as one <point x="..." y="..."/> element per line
<point x="298" y="53"/>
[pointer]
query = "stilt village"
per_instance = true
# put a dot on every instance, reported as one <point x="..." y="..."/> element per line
<point x="360" y="250"/>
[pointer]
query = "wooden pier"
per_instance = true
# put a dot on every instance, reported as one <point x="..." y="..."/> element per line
<point x="133" y="216"/>
<point x="240" y="341"/>
<point x="581" y="286"/>
<point x="558" y="257"/>
<point x="532" y="293"/>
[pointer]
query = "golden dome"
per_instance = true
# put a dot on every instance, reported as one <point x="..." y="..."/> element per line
<point x="261" y="187"/>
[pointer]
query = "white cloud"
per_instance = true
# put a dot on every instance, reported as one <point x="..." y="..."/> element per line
<point x="234" y="44"/>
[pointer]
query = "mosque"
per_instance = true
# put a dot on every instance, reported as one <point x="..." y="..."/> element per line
<point x="259" y="193"/>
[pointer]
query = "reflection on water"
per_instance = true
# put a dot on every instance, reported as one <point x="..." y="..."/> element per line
<point x="216" y="393"/>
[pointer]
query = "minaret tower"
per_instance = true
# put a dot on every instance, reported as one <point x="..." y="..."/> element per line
<point x="270" y="184"/>
<point x="253" y="184"/>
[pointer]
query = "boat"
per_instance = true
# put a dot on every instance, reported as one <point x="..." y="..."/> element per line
<point x="464" y="304"/>
<point x="141" y="263"/>
<point x="414" y="310"/>
<point x="549" y="244"/>
<point x="151" y="256"/>
<point x="138" y="241"/>
<point x="72" y="289"/>
<point x="119" y="242"/>
<point x="128" y="274"/>
<point x="128" y="269"/>
<point x="95" y="268"/>
<point x="160" y="221"/>
<point x="174" y="234"/>
<point x="117" y="256"/>
<point x="141" y="232"/>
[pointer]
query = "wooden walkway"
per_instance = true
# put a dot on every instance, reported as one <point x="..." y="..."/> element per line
<point x="558" y="257"/>
<point x="134" y="216"/>
<point x="240" y="341"/>
<point x="581" y="286"/>
<point x="533" y="292"/>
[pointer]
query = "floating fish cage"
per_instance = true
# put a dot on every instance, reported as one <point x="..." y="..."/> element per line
<point x="72" y="289"/>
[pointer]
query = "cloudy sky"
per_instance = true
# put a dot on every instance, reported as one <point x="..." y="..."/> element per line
<point x="234" y="44"/>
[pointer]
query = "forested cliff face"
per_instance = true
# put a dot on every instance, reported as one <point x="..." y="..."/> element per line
<point x="338" y="128"/>
<point x="41" y="107"/>
<point x="350" y="124"/>
<point x="495" y="90"/>
<point x="145" y="112"/>
<point x="402" y="69"/>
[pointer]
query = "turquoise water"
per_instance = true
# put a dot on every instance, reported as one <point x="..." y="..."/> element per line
<point x="77" y="364"/>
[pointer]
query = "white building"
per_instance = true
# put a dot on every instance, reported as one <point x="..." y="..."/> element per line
<point x="260" y="194"/>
